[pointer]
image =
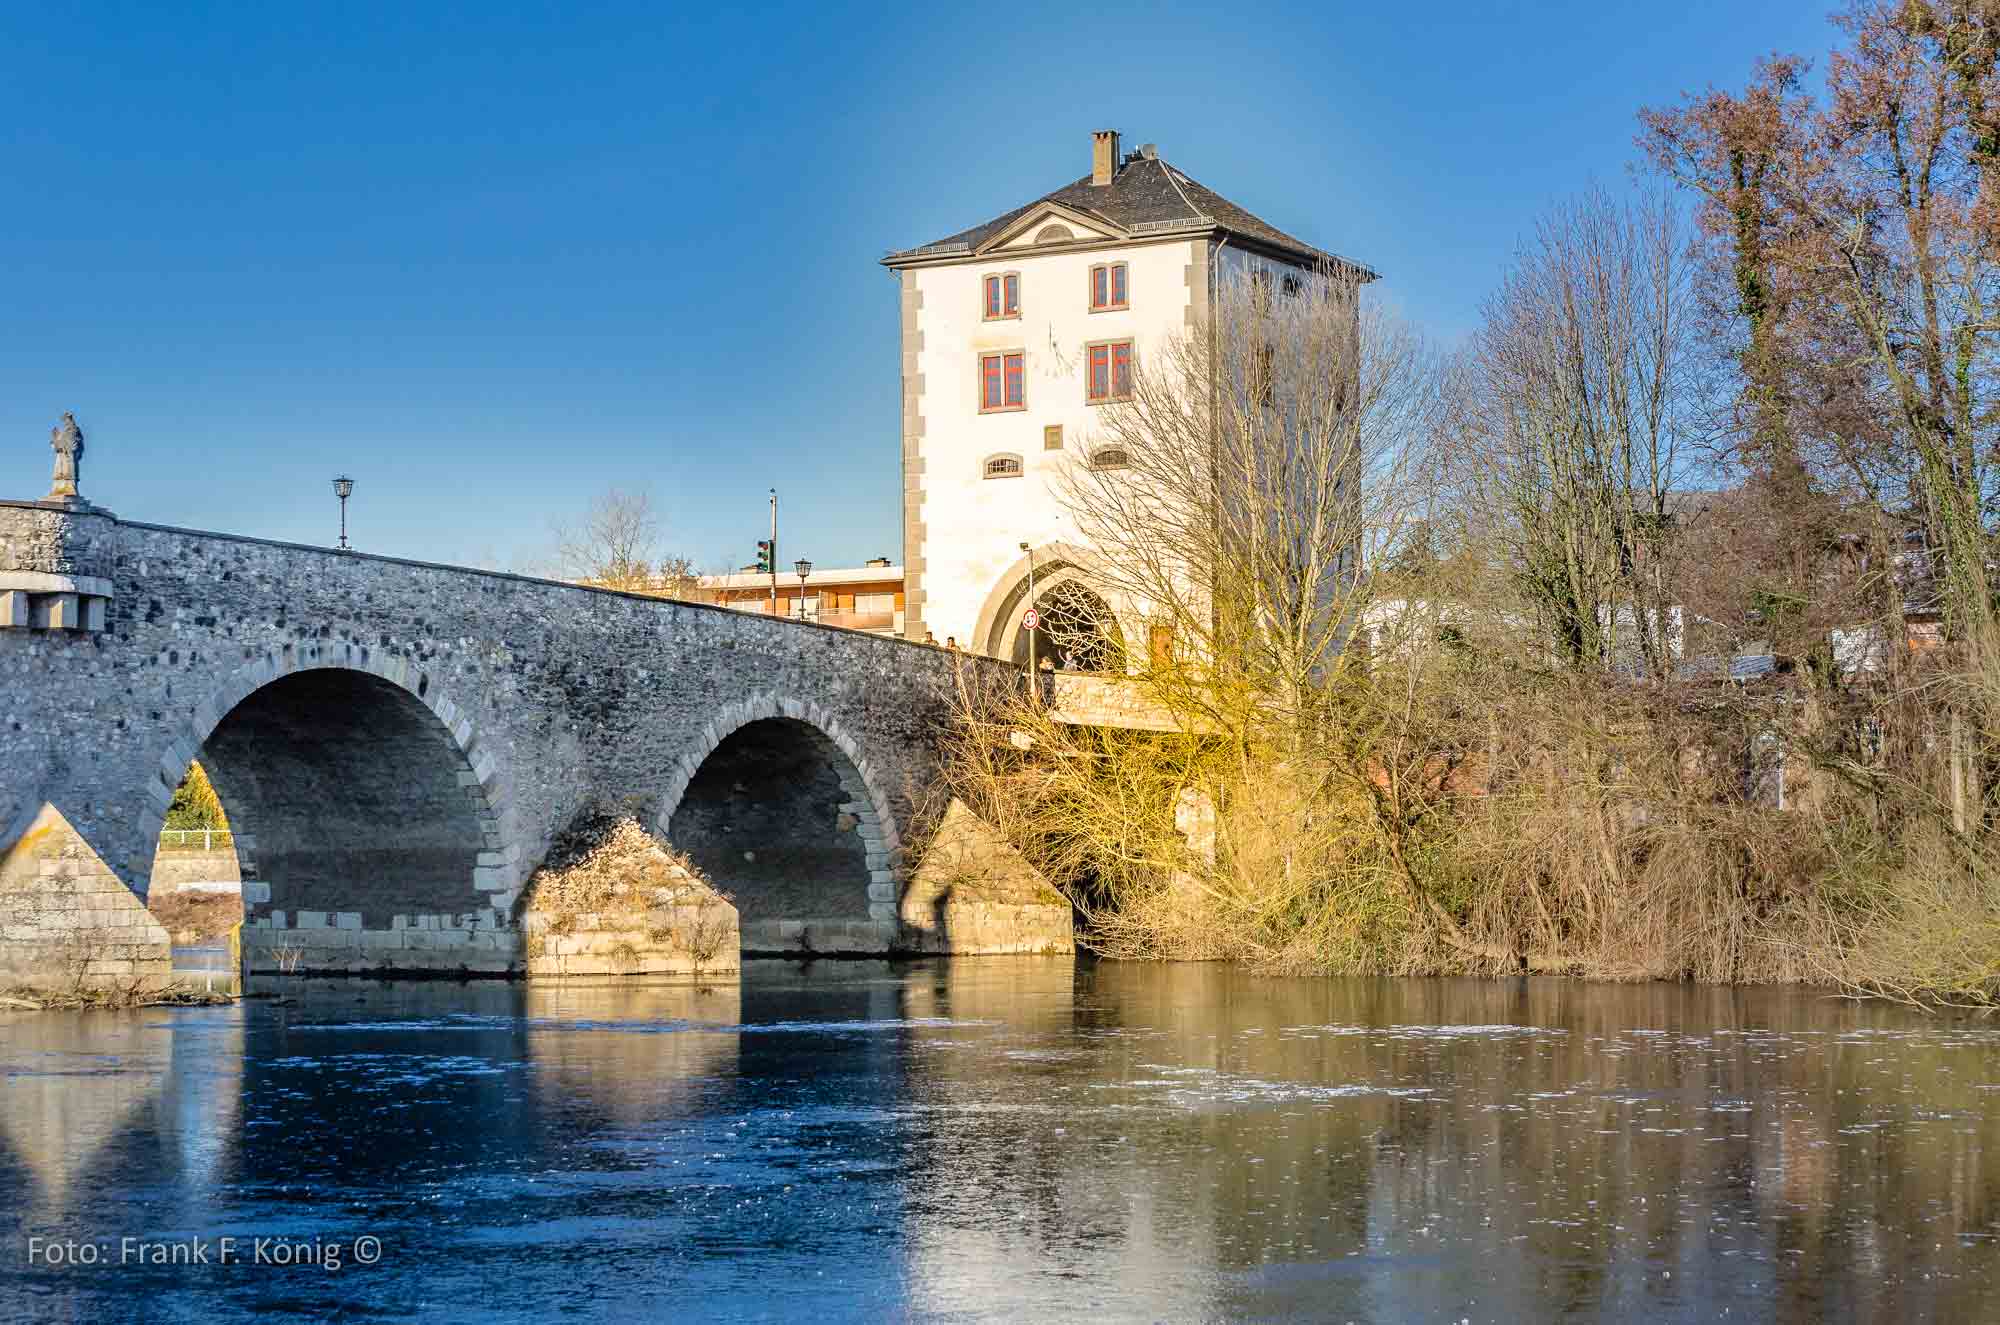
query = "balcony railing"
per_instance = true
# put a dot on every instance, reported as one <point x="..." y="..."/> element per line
<point x="196" y="839"/>
<point x="856" y="620"/>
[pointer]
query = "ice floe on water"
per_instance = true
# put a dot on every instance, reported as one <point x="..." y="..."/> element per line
<point x="1209" y="1088"/>
<point x="854" y="1027"/>
<point x="368" y="1072"/>
<point x="663" y="1026"/>
<point x="1046" y="1055"/>
<point x="426" y="1025"/>
<point x="1408" y="1032"/>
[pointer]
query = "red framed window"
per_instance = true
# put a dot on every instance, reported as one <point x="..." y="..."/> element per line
<point x="1108" y="287"/>
<point x="1002" y="382"/>
<point x="1109" y="373"/>
<point x="1003" y="296"/>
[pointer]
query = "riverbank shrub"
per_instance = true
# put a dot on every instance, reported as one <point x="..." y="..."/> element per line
<point x="195" y="804"/>
<point x="1499" y="826"/>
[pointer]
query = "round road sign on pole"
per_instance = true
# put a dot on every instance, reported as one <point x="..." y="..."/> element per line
<point x="1030" y="619"/>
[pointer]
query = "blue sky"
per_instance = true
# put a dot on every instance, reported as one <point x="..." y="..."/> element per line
<point x="490" y="259"/>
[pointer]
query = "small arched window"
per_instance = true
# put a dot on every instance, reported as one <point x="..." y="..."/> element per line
<point x="1053" y="234"/>
<point x="1002" y="466"/>
<point x="1109" y="457"/>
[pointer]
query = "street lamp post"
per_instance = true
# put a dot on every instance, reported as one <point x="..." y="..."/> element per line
<point x="1034" y="677"/>
<point x="804" y="568"/>
<point x="343" y="488"/>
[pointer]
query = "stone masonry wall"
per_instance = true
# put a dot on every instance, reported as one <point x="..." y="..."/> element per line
<point x="174" y="869"/>
<point x="542" y="698"/>
<point x="67" y="921"/>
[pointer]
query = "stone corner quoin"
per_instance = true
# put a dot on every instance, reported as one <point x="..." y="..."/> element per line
<point x="398" y="743"/>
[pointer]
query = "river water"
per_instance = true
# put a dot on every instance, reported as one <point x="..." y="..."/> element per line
<point x="1003" y="1139"/>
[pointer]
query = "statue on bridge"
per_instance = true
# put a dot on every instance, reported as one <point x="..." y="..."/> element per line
<point x="67" y="441"/>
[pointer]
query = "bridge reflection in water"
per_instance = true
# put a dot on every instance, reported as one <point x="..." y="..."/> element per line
<point x="1023" y="1137"/>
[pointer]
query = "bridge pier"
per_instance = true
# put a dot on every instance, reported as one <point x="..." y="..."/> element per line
<point x="67" y="921"/>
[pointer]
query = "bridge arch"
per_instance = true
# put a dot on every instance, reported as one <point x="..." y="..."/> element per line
<point x="368" y="802"/>
<point x="817" y="867"/>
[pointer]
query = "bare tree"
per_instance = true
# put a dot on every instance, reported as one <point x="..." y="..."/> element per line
<point x="1877" y="229"/>
<point x="1238" y="501"/>
<point x="1573" y="447"/>
<point x="617" y="544"/>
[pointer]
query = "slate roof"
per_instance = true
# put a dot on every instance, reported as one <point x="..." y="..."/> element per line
<point x="1146" y="195"/>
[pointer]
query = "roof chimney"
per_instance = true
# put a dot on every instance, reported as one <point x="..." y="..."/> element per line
<point x="1103" y="156"/>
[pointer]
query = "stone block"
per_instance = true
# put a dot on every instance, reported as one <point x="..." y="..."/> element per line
<point x="55" y="611"/>
<point x="312" y="920"/>
<point x="347" y="920"/>
<point x="255" y="893"/>
<point x="94" y="614"/>
<point x="14" y="609"/>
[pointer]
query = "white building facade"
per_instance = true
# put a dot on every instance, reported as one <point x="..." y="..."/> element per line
<point x="1015" y="336"/>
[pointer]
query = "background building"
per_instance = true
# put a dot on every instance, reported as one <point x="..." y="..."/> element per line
<point x="866" y="597"/>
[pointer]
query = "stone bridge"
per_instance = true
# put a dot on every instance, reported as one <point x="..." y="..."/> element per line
<point x="398" y="745"/>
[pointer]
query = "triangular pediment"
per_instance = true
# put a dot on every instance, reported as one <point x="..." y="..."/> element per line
<point x="1051" y="223"/>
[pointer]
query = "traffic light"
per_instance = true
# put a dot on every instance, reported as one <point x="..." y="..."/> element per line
<point x="767" y="555"/>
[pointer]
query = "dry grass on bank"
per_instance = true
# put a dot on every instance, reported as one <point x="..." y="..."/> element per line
<point x="1494" y="826"/>
<point x="136" y="994"/>
<point x="196" y="917"/>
